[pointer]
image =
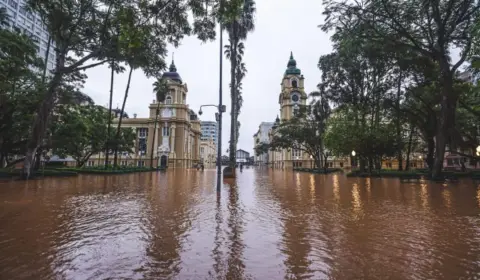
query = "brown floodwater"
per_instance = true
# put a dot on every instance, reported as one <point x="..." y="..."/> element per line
<point x="268" y="225"/>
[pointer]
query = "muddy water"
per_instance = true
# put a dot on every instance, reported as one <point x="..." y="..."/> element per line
<point x="268" y="225"/>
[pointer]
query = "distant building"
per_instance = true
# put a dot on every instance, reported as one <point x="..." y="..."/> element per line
<point x="242" y="156"/>
<point x="209" y="131"/>
<point x="177" y="133"/>
<point x="261" y="136"/>
<point x="208" y="152"/>
<point x="31" y="25"/>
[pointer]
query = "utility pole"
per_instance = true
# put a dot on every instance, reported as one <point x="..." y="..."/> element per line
<point x="220" y="111"/>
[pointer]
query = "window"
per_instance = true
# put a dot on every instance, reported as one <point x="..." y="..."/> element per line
<point x="168" y="99"/>
<point x="202" y="150"/>
<point x="297" y="154"/>
<point x="184" y="97"/>
<point x="22" y="11"/>
<point x="165" y="131"/>
<point x="141" y="163"/>
<point x="30" y="16"/>
<point x="123" y="163"/>
<point x="13" y="3"/>
<point x="294" y="83"/>
<point x="142" y="132"/>
<point x="90" y="163"/>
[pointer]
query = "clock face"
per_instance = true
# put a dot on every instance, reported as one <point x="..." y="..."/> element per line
<point x="295" y="98"/>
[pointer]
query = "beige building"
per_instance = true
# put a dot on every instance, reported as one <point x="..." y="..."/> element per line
<point x="177" y="136"/>
<point x="291" y="97"/>
<point x="208" y="152"/>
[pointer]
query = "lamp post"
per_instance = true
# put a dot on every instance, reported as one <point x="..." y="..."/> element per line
<point x="353" y="158"/>
<point x="311" y="165"/>
<point x="218" y="116"/>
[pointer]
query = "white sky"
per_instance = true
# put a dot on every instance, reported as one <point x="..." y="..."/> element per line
<point x="281" y="26"/>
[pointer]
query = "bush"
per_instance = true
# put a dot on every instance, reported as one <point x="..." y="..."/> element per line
<point x="12" y="173"/>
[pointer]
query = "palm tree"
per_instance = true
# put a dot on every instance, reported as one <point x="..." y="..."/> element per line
<point x="120" y="117"/>
<point x="238" y="26"/>
<point x="160" y="88"/>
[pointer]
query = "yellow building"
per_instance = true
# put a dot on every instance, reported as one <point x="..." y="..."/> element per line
<point x="177" y="136"/>
<point x="291" y="97"/>
<point x="208" y="152"/>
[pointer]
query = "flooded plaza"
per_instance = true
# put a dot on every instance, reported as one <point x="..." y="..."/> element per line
<point x="268" y="225"/>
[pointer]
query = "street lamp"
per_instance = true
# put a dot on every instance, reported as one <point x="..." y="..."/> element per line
<point x="311" y="165"/>
<point x="478" y="150"/>
<point x="218" y="117"/>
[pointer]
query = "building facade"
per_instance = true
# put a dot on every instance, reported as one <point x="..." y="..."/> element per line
<point x="209" y="131"/>
<point x="177" y="134"/>
<point x="242" y="156"/>
<point x="262" y="136"/>
<point x="292" y="96"/>
<point x="208" y="152"/>
<point x="30" y="24"/>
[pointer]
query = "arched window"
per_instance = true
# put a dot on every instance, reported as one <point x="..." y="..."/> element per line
<point x="168" y="99"/>
<point x="294" y="83"/>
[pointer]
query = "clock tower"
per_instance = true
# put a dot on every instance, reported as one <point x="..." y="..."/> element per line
<point x="293" y="95"/>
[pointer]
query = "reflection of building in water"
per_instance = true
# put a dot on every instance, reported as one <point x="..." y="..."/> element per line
<point x="177" y="136"/>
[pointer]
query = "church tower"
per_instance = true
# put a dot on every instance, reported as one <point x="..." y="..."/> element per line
<point x="293" y="95"/>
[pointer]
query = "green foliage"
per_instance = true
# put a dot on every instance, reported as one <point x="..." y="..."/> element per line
<point x="261" y="148"/>
<point x="79" y="132"/>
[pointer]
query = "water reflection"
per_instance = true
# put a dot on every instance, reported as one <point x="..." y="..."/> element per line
<point x="266" y="225"/>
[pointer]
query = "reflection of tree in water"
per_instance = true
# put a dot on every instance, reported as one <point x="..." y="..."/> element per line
<point x="169" y="222"/>
<point x="217" y="253"/>
<point x="236" y="267"/>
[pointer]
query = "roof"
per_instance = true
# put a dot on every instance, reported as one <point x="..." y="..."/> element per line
<point x="172" y="73"/>
<point x="292" y="66"/>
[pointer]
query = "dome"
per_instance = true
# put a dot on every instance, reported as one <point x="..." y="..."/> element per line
<point x="172" y="73"/>
<point x="292" y="66"/>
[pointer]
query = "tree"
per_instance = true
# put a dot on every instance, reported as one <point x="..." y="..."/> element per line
<point x="304" y="132"/>
<point x="84" y="31"/>
<point x="238" y="19"/>
<point x="430" y="29"/>
<point x="79" y="132"/>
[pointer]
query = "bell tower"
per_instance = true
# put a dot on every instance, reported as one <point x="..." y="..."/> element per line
<point x="293" y="95"/>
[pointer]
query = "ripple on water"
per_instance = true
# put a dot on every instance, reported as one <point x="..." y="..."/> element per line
<point x="267" y="225"/>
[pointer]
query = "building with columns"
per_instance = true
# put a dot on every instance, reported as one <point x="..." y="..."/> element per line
<point x="177" y="134"/>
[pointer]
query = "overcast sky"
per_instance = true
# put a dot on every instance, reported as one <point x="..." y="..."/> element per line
<point x="281" y="26"/>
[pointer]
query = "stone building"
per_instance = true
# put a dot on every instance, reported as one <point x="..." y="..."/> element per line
<point x="262" y="136"/>
<point x="177" y="136"/>
<point x="291" y="97"/>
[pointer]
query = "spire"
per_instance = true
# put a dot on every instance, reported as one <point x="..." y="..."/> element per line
<point x="292" y="66"/>
<point x="173" y="68"/>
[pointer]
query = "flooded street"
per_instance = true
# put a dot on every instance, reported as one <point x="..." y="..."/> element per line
<point x="270" y="225"/>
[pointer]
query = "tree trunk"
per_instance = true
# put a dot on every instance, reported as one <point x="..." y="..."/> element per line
<point x="233" y="93"/>
<point x="107" y="142"/>
<point x="447" y="118"/>
<point x="40" y="122"/>
<point x="121" y="116"/>
<point x="398" y="124"/>
<point x="47" y="53"/>
<point x="154" y="133"/>
<point x="409" y="148"/>
<point x="430" y="153"/>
